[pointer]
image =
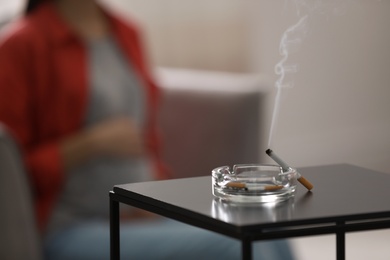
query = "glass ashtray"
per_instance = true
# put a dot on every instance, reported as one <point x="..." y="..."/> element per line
<point x="251" y="183"/>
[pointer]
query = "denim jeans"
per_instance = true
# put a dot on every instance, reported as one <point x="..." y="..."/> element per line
<point x="155" y="239"/>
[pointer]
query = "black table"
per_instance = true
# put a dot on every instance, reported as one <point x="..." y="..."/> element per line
<point x="345" y="198"/>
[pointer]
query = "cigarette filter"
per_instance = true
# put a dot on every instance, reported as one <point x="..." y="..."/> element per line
<point x="249" y="186"/>
<point x="285" y="167"/>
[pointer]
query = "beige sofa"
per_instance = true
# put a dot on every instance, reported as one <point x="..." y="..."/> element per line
<point x="207" y="119"/>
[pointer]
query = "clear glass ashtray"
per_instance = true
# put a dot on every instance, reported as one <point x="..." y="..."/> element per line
<point x="251" y="183"/>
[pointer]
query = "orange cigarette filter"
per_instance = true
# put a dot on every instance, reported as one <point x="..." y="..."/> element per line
<point x="285" y="167"/>
<point x="305" y="182"/>
<point x="273" y="187"/>
<point x="238" y="185"/>
<point x="241" y="185"/>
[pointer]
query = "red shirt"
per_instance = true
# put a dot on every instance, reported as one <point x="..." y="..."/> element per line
<point x="43" y="92"/>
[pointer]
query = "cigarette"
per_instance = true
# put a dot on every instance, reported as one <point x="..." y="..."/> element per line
<point x="285" y="168"/>
<point x="252" y="186"/>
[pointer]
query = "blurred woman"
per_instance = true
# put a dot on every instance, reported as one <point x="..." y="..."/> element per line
<point x="77" y="93"/>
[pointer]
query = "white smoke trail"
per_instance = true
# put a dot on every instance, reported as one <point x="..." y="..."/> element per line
<point x="291" y="40"/>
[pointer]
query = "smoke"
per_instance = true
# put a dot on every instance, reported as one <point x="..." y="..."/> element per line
<point x="292" y="40"/>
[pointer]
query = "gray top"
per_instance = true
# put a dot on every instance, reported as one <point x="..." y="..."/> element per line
<point x="115" y="90"/>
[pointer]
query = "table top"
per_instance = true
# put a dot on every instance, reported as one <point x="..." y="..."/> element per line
<point x="341" y="192"/>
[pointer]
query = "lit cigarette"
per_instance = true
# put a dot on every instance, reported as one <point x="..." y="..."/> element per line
<point x="250" y="186"/>
<point x="285" y="168"/>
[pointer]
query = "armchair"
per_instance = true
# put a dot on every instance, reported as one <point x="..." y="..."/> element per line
<point x="209" y="119"/>
<point x="19" y="237"/>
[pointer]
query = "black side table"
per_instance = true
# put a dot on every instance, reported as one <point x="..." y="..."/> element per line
<point x="345" y="198"/>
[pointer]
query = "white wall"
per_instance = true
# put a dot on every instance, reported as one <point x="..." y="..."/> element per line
<point x="199" y="34"/>
<point x="10" y="10"/>
<point x="338" y="110"/>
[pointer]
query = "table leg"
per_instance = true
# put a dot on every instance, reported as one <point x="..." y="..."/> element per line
<point x="340" y="245"/>
<point x="246" y="249"/>
<point x="114" y="228"/>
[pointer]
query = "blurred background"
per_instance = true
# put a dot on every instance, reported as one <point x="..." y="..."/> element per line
<point x="338" y="110"/>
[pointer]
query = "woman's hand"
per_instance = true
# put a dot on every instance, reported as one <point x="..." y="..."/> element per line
<point x="118" y="137"/>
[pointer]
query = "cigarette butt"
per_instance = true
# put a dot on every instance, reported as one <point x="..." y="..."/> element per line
<point x="305" y="183"/>
<point x="241" y="185"/>
<point x="238" y="185"/>
<point x="285" y="167"/>
<point x="273" y="187"/>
